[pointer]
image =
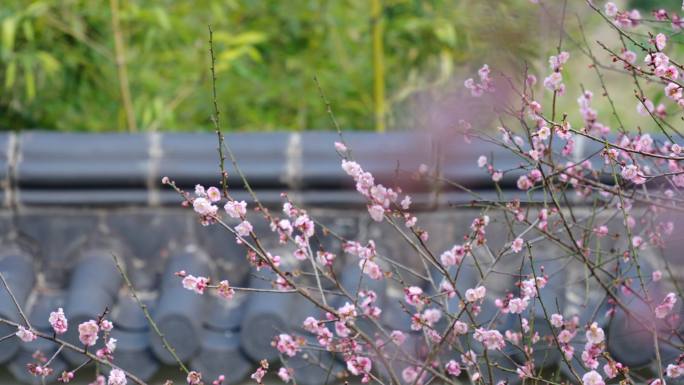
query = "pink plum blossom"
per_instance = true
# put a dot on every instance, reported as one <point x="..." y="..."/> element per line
<point x="58" y="321"/>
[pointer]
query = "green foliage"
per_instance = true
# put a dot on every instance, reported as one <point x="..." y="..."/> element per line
<point x="650" y="5"/>
<point x="58" y="68"/>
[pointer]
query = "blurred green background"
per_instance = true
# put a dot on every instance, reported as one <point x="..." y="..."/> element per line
<point x="134" y="65"/>
<point x="58" y="60"/>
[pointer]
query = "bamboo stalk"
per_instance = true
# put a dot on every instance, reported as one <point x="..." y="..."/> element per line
<point x="378" y="65"/>
<point x="122" y="72"/>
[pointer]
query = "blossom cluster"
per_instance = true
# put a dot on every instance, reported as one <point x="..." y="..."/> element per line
<point x="482" y="304"/>
<point x="486" y="82"/>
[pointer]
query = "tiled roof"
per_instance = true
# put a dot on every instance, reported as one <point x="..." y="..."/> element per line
<point x="70" y="201"/>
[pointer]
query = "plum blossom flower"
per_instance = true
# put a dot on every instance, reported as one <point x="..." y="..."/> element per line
<point x="324" y="337"/>
<point x="359" y="365"/>
<point x="469" y="358"/>
<point x="556" y="62"/>
<point x="460" y="328"/>
<point x="454" y="256"/>
<point x="398" y="337"/>
<point x="224" y="290"/>
<point x="637" y="242"/>
<point x="535" y="108"/>
<point x="39" y="370"/>
<point x="526" y="371"/>
<point x="258" y="375"/>
<point x="453" y="368"/>
<point x="194" y="378"/>
<point x="611" y="9"/>
<point x="518" y="305"/>
<point x="111" y="345"/>
<point x="196" y="284"/>
<point x="282" y="284"/>
<point x="352" y="168"/>
<point x="341" y="148"/>
<point x="645" y="107"/>
<point x="305" y="226"/>
<point x="660" y="41"/>
<point x="447" y="288"/>
<point x="665" y="307"/>
<point x="58" y="321"/>
<point x="565" y="336"/>
<point x="657" y="275"/>
<point x="524" y="183"/>
<point x="25" y="335"/>
<point x="106" y="325"/>
<point x="601" y="231"/>
<point x="116" y="377"/>
<point x="285" y="374"/>
<point x="491" y="339"/>
<point x="595" y="334"/>
<point x="517" y="245"/>
<point x="476" y="294"/>
<point x="376" y="212"/>
<point x="673" y="91"/>
<point x="632" y="173"/>
<point x="590" y="355"/>
<point x="311" y="325"/>
<point x="485" y="84"/>
<point x="66" y="377"/>
<point x="481" y="161"/>
<point x="367" y="299"/>
<point x="414" y="296"/>
<point x="629" y="56"/>
<point x="286" y="344"/>
<point x="213" y="194"/>
<point x="528" y="287"/>
<point x="409" y="374"/>
<point x="325" y="257"/>
<point x="371" y="269"/>
<point x="87" y="332"/>
<point x="406" y="202"/>
<point x="544" y="132"/>
<point x="592" y="378"/>
<point x="612" y="369"/>
<point x="627" y="19"/>
<point x="244" y="229"/>
<point x="236" y="209"/>
<point x="347" y="312"/>
<point x="674" y="371"/>
<point x="554" y="82"/>
<point x="106" y="352"/>
<point x="432" y="316"/>
<point x="203" y="206"/>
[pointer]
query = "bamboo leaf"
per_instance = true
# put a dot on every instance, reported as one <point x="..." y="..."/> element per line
<point x="10" y="74"/>
<point x="9" y="30"/>
<point x="29" y="79"/>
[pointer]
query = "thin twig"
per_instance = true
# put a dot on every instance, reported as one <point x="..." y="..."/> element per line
<point x="16" y="303"/>
<point x="216" y="118"/>
<point x="91" y="357"/>
<point x="145" y="311"/>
